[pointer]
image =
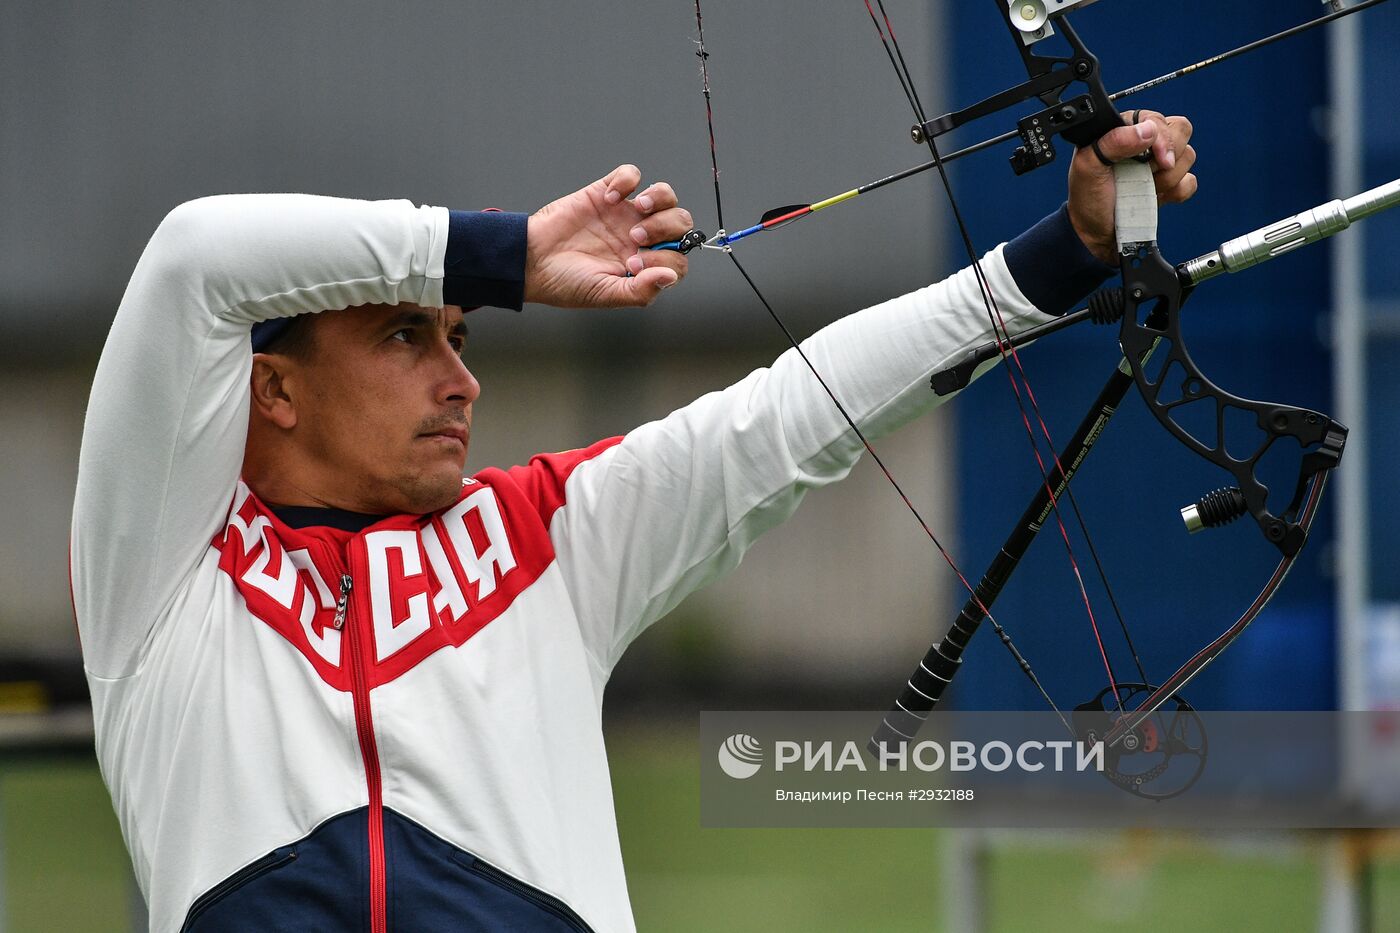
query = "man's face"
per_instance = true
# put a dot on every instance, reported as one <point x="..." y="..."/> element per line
<point x="382" y="409"/>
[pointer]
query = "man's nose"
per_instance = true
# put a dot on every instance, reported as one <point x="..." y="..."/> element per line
<point x="458" y="385"/>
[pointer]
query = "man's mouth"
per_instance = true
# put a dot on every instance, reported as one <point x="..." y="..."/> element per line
<point x="451" y="434"/>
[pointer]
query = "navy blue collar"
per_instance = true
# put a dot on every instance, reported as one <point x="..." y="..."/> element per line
<point x="303" y="516"/>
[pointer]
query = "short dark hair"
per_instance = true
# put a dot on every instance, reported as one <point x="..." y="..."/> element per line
<point x="296" y="339"/>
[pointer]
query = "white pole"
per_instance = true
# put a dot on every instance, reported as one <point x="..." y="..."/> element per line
<point x="1349" y="365"/>
<point x="1340" y="899"/>
<point x="964" y="877"/>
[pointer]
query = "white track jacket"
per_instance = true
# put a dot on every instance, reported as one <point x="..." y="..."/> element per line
<point x="399" y="728"/>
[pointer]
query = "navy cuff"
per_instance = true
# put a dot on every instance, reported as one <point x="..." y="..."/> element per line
<point x="485" y="262"/>
<point x="1052" y="266"/>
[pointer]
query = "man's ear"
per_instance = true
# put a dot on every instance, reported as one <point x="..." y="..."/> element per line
<point x="272" y="399"/>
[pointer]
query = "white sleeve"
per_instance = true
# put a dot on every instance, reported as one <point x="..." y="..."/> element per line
<point x="677" y="502"/>
<point x="167" y="421"/>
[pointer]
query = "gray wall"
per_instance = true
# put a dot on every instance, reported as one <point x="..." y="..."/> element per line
<point x="113" y="114"/>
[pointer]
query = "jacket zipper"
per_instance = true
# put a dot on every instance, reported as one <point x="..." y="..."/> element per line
<point x="534" y="895"/>
<point x="364" y="728"/>
<point x="235" y="881"/>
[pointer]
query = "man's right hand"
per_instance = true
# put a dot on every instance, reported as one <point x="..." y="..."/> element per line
<point x="583" y="250"/>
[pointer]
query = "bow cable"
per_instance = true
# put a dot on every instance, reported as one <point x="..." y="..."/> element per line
<point x="1009" y="356"/>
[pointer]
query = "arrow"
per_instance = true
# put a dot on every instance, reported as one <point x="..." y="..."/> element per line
<point x="782" y="216"/>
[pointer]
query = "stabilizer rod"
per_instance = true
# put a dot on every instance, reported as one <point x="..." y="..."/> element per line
<point x="1242" y="252"/>
<point x="1286" y="235"/>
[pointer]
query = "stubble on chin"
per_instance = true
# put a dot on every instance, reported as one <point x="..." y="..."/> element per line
<point x="421" y="494"/>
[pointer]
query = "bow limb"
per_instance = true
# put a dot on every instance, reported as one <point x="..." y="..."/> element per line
<point x="1198" y="662"/>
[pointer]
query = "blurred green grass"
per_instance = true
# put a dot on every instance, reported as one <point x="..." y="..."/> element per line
<point x="684" y="878"/>
<point x="64" y="868"/>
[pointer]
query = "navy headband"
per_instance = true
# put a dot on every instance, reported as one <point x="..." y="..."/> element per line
<point x="266" y="333"/>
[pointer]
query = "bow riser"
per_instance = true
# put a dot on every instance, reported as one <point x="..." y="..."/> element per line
<point x="1153" y="294"/>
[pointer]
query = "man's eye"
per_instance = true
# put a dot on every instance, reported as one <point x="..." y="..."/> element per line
<point x="458" y="344"/>
<point x="405" y="335"/>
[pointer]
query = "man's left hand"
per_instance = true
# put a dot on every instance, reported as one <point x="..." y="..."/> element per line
<point x="1091" y="189"/>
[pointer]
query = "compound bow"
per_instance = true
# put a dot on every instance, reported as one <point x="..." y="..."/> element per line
<point x="1147" y="306"/>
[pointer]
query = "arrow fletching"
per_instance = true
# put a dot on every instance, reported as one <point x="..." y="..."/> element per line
<point x="780" y="216"/>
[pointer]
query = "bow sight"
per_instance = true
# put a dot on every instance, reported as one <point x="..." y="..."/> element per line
<point x="1080" y="120"/>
